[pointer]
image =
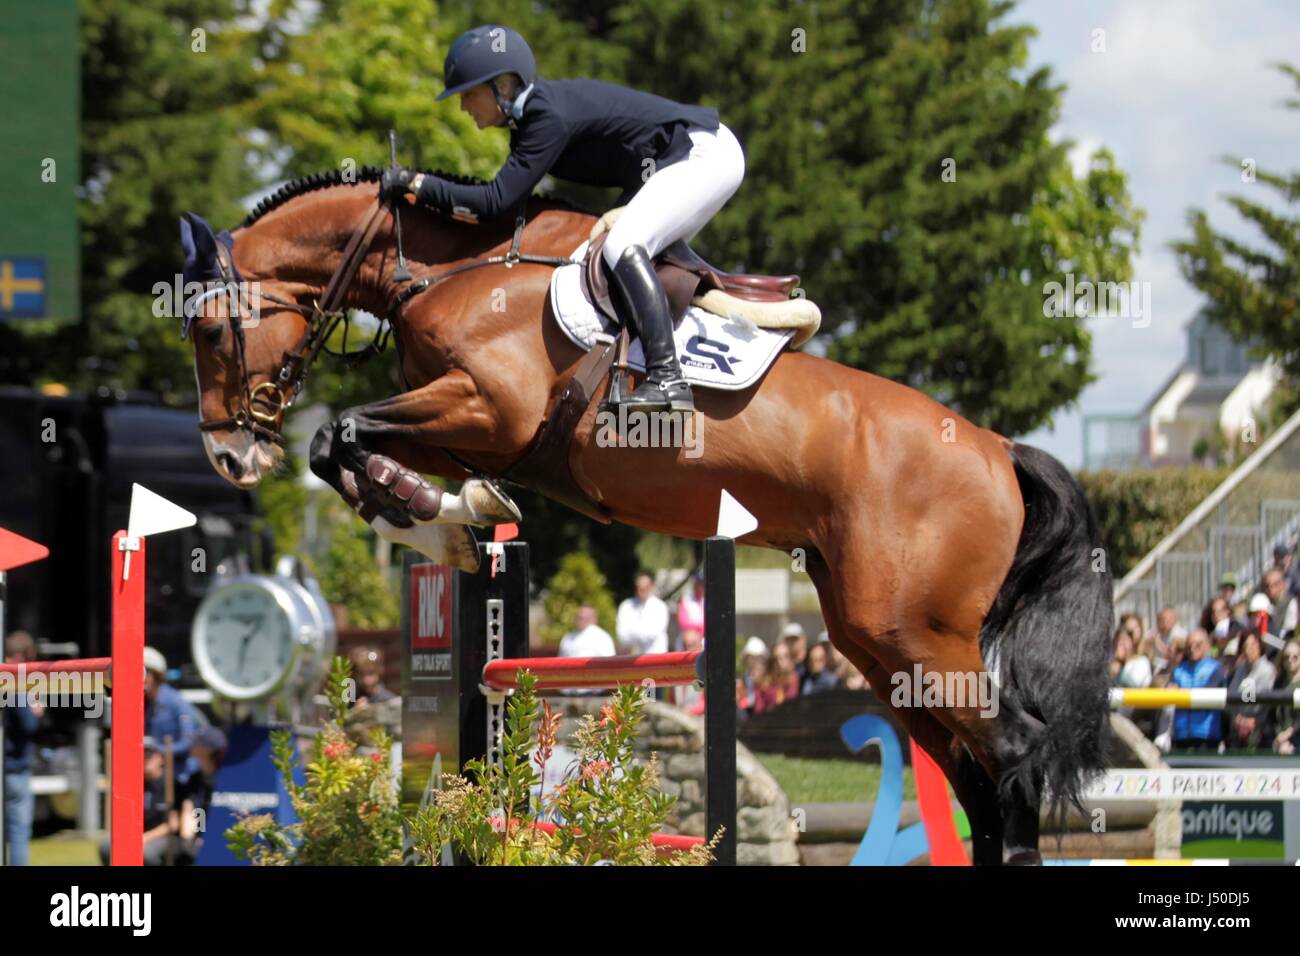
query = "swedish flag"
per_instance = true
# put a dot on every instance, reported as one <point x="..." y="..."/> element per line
<point x="22" y="288"/>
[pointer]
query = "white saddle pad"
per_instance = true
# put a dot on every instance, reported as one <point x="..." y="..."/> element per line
<point x="714" y="352"/>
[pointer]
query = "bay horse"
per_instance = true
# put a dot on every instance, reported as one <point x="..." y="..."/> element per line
<point x="931" y="542"/>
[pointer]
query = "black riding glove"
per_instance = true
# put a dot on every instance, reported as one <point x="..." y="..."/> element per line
<point x="396" y="183"/>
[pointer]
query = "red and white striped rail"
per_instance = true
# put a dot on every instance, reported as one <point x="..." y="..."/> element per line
<point x="582" y="673"/>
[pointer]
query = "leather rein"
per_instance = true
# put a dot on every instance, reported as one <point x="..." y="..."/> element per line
<point x="323" y="317"/>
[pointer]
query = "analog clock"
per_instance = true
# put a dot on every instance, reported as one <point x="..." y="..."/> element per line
<point x="253" y="634"/>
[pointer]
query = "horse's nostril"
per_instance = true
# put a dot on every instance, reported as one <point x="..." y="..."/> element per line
<point x="231" y="464"/>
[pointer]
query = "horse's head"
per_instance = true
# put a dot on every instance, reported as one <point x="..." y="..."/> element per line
<point x="256" y="334"/>
<point x="242" y="331"/>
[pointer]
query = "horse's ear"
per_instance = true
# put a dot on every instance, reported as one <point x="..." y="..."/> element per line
<point x="200" y="247"/>
<point x="197" y="240"/>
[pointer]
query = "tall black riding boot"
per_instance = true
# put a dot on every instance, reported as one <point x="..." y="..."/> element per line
<point x="646" y="306"/>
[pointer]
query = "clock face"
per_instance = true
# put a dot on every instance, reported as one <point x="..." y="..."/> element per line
<point x="245" y="640"/>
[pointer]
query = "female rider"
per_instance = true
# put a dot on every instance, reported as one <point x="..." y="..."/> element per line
<point x="676" y="164"/>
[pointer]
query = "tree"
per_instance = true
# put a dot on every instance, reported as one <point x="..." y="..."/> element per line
<point x="1136" y="509"/>
<point x="1254" y="290"/>
<point x="578" y="581"/>
<point x="348" y="573"/>
<point x="159" y="135"/>
<point x="329" y="97"/>
<point x="851" y="113"/>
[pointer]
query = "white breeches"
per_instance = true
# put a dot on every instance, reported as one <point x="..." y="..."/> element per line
<point x="677" y="201"/>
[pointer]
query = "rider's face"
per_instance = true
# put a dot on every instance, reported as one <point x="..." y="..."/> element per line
<point x="480" y="104"/>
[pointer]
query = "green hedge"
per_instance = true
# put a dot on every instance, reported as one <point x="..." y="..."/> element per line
<point x="1138" y="508"/>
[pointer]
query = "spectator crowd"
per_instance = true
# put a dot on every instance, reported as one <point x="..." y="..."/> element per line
<point x="1245" y="641"/>
<point x="182" y="754"/>
<point x="1245" y="638"/>
<point x="769" y="675"/>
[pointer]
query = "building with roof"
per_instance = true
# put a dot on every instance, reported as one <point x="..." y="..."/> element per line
<point x="1215" y="393"/>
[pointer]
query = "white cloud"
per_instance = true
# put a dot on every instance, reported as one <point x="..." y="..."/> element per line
<point x="1081" y="155"/>
<point x="1180" y="85"/>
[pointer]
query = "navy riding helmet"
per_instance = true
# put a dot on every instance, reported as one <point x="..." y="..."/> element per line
<point x="484" y="53"/>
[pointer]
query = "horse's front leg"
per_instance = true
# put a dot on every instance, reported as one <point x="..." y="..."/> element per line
<point x="365" y="454"/>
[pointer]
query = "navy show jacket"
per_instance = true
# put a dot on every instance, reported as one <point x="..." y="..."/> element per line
<point x="586" y="131"/>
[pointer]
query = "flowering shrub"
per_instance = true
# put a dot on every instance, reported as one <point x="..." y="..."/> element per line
<point x="607" y="807"/>
<point x="347" y="808"/>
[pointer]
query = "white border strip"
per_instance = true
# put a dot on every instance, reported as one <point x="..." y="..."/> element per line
<point x="1244" y="784"/>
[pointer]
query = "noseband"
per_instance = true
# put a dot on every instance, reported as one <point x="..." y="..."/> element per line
<point x="323" y="317"/>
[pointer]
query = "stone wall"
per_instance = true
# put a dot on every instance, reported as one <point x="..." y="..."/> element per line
<point x="765" y="830"/>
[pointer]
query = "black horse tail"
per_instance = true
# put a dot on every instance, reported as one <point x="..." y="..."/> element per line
<point x="1049" y="632"/>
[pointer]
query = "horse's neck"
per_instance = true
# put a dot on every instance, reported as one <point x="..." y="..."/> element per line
<point x="464" y="317"/>
<point x="317" y="236"/>
<point x="550" y="229"/>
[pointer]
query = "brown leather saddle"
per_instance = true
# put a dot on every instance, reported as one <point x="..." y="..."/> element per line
<point x="684" y="275"/>
<point x="548" y="465"/>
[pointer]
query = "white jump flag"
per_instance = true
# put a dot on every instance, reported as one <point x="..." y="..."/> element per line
<point x="151" y="513"/>
<point x="733" y="520"/>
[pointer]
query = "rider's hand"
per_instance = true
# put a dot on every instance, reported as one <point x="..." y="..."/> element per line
<point x="395" y="183"/>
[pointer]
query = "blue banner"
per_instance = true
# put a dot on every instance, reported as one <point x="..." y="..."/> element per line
<point x="22" y="287"/>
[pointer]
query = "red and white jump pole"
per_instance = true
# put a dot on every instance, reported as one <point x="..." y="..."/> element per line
<point x="714" y="667"/>
<point x="150" y="514"/>
<point x="580" y="673"/>
<point x="127" y="812"/>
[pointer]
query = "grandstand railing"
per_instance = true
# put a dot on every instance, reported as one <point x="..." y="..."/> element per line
<point x="1233" y="531"/>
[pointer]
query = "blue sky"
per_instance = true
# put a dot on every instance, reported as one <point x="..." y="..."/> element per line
<point x="1179" y="85"/>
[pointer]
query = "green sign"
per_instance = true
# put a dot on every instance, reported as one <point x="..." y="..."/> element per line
<point x="39" y="175"/>
<point x="1234" y="830"/>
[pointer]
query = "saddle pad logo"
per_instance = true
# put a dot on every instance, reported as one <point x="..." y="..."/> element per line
<point x="714" y="352"/>
<point x="706" y="353"/>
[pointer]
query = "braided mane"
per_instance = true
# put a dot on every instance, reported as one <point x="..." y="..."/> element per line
<point x="363" y="174"/>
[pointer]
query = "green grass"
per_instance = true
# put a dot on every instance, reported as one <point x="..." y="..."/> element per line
<point x="65" y="851"/>
<point x="830" y="781"/>
<point x="1234" y="849"/>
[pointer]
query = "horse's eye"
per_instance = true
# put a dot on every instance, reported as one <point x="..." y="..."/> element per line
<point x="213" y="335"/>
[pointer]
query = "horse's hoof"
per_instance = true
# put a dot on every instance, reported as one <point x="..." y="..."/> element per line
<point x="462" y="548"/>
<point x="451" y="544"/>
<point x="1022" y="857"/>
<point x="488" y="504"/>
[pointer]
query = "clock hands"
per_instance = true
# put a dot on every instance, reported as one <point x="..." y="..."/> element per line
<point x="244" y="641"/>
<point x="249" y="635"/>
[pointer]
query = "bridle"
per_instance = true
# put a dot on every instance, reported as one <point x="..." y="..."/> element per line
<point x="323" y="317"/>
